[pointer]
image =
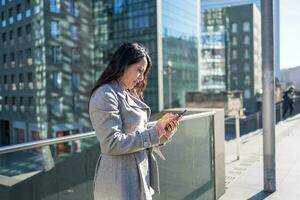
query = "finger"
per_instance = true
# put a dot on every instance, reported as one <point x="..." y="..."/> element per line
<point x="173" y="124"/>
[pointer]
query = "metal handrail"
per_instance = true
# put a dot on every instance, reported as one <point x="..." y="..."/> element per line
<point x="30" y="145"/>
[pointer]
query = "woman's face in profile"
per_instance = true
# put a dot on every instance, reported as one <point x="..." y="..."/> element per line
<point x="134" y="73"/>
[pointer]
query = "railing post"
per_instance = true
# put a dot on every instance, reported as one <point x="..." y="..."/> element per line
<point x="237" y="135"/>
<point x="257" y="120"/>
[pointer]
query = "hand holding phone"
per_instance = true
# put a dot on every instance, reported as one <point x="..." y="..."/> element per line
<point x="179" y="115"/>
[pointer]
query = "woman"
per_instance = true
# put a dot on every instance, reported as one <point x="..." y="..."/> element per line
<point x="127" y="168"/>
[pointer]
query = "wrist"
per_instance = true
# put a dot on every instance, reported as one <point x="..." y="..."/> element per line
<point x="159" y="129"/>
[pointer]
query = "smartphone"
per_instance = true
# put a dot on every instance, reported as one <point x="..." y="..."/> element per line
<point x="181" y="114"/>
<point x="178" y="117"/>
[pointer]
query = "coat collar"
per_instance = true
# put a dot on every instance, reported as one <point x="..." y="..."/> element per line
<point x="131" y="100"/>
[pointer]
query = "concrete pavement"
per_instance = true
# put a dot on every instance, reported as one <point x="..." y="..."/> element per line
<point x="244" y="178"/>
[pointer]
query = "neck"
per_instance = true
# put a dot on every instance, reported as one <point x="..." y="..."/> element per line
<point x="123" y="84"/>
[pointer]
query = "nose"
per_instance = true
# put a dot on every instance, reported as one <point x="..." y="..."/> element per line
<point x="141" y="77"/>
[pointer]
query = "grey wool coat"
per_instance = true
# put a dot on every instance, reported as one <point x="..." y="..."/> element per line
<point x="126" y="168"/>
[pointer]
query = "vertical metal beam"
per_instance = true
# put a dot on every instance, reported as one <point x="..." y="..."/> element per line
<point x="268" y="96"/>
<point x="199" y="46"/>
<point x="276" y="15"/>
<point x="159" y="55"/>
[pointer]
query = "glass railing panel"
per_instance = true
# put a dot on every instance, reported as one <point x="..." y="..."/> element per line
<point x="66" y="170"/>
<point x="188" y="171"/>
<point x="60" y="171"/>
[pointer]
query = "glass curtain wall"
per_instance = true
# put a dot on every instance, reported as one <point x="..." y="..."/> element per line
<point x="180" y="50"/>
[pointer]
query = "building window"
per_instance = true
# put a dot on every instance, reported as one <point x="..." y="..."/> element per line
<point x="29" y="56"/>
<point x="76" y="103"/>
<point x="30" y="82"/>
<point x="234" y="41"/>
<point x="57" y="80"/>
<point x="2" y="2"/>
<point x="28" y="31"/>
<point x="73" y="7"/>
<point x="39" y="29"/>
<point x="14" y="104"/>
<point x="246" y="39"/>
<point x="56" y="55"/>
<point x="6" y="103"/>
<point x="233" y="67"/>
<point x="57" y="105"/>
<point x="4" y="38"/>
<point x="235" y="81"/>
<point x="246" y="67"/>
<point x="246" y="26"/>
<point x="4" y="59"/>
<point x="55" y="6"/>
<point x="234" y="54"/>
<point x="22" y="108"/>
<point x="38" y="55"/>
<point x="19" y="12"/>
<point x="37" y="7"/>
<point x="11" y="17"/>
<point x="55" y="30"/>
<point x="21" y="82"/>
<point x="234" y="27"/>
<point x="20" y="58"/>
<point x="27" y="8"/>
<point x="3" y="20"/>
<point x="74" y="32"/>
<point x="75" y="80"/>
<point x="247" y="80"/>
<point x="246" y="54"/>
<point x="75" y="55"/>
<point x="11" y="35"/>
<point x="31" y="103"/>
<point x="20" y="135"/>
<point x="19" y="32"/>
<point x="13" y="83"/>
<point x="247" y="94"/>
<point x="12" y="59"/>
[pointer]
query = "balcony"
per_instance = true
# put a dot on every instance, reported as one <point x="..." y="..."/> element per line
<point x="192" y="169"/>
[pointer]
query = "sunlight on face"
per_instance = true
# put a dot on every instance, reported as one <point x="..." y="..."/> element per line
<point x="134" y="73"/>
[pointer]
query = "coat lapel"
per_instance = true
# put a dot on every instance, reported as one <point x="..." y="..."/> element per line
<point x="130" y="99"/>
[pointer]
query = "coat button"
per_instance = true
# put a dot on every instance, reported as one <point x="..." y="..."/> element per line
<point x="145" y="144"/>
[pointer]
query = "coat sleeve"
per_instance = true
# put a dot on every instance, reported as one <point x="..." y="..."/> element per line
<point x="107" y="122"/>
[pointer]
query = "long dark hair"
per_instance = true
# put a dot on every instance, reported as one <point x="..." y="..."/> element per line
<point x="126" y="54"/>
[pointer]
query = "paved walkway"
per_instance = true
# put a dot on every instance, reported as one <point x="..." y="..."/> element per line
<point x="244" y="178"/>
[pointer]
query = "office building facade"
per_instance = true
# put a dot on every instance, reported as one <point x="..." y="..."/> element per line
<point x="233" y="35"/>
<point x="53" y="52"/>
<point x="171" y="38"/>
<point x="46" y="68"/>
